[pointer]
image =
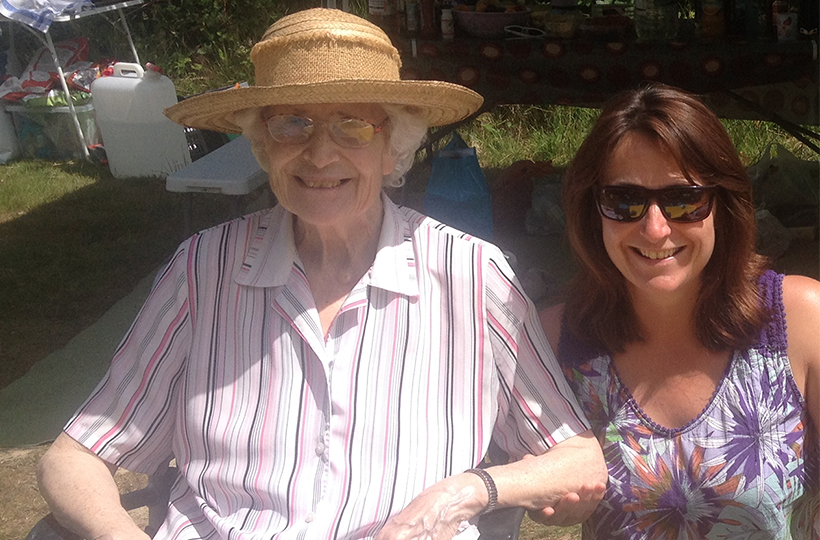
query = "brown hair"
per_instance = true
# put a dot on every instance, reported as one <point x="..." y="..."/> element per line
<point x="599" y="310"/>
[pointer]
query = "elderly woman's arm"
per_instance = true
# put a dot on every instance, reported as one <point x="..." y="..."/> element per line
<point x="571" y="473"/>
<point x="80" y="490"/>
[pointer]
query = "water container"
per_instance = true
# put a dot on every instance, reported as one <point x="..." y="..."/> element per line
<point x="139" y="140"/>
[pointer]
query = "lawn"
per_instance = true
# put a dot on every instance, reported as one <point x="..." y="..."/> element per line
<point x="74" y="240"/>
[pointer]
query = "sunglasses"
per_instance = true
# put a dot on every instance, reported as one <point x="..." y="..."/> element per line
<point x="681" y="204"/>
<point x="348" y="133"/>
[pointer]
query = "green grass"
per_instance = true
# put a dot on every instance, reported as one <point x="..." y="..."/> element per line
<point x="74" y="240"/>
<point x="535" y="531"/>
<point x="26" y="185"/>
<point x="513" y="132"/>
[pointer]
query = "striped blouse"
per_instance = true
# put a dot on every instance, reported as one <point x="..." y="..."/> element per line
<point x="281" y="432"/>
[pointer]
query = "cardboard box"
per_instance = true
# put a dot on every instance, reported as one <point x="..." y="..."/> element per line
<point x="49" y="132"/>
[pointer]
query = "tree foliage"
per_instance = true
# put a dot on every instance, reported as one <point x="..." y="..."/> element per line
<point x="207" y="43"/>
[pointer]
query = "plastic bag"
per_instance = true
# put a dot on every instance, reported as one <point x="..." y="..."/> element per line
<point x="546" y="215"/>
<point x="773" y="238"/>
<point x="786" y="186"/>
<point x="457" y="191"/>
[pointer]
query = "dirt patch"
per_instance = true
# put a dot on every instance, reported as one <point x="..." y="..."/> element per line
<point x="21" y="505"/>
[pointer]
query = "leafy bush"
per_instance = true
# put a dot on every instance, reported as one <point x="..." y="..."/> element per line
<point x="206" y="43"/>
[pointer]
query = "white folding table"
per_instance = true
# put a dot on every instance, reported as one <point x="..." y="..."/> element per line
<point x="231" y="169"/>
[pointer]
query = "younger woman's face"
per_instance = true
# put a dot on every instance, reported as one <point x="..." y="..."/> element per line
<point x="655" y="255"/>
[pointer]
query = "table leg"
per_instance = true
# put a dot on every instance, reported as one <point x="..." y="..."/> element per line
<point x="187" y="211"/>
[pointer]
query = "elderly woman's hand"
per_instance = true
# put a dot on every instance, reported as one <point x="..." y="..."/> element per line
<point x="437" y="512"/>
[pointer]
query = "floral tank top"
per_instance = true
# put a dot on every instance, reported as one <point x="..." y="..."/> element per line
<point x="741" y="470"/>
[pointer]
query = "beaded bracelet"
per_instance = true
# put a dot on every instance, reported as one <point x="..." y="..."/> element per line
<point x="492" y="491"/>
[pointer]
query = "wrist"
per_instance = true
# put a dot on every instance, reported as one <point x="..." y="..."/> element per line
<point x="489" y="485"/>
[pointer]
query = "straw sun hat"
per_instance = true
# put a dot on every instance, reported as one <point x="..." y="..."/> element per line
<point x="326" y="56"/>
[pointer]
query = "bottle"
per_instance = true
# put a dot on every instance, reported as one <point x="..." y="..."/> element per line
<point x="375" y="12"/>
<point x="448" y="28"/>
<point x="759" y="24"/>
<point x="400" y="15"/>
<point x="389" y="21"/>
<point x="411" y="8"/>
<point x="428" y="18"/>
<point x="713" y="19"/>
<point x="787" y="22"/>
<point x="778" y="6"/>
<point x="656" y="20"/>
<point x="737" y="18"/>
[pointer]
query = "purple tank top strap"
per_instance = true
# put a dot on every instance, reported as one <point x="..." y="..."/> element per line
<point x="773" y="337"/>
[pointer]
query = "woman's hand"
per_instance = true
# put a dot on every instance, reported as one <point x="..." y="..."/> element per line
<point x="437" y="512"/>
<point x="573" y="508"/>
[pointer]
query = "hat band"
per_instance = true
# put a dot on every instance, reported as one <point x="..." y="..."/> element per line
<point x="309" y="62"/>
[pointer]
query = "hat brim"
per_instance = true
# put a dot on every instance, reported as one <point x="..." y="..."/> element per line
<point x="440" y="102"/>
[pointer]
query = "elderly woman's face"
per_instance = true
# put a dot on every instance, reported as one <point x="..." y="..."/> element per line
<point x="328" y="179"/>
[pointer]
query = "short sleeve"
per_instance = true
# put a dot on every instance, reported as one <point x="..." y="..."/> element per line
<point x="129" y="418"/>
<point x="536" y="406"/>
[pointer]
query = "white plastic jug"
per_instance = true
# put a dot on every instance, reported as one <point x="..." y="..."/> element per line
<point x="139" y="140"/>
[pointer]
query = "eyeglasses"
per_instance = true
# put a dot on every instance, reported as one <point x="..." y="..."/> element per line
<point x="349" y="132"/>
<point x="682" y="204"/>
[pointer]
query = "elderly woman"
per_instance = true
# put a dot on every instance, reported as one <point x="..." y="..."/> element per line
<point x="334" y="367"/>
<point x="698" y="369"/>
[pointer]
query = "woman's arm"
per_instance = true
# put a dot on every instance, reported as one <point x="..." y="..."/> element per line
<point x="80" y="490"/>
<point x="571" y="472"/>
<point x="801" y="298"/>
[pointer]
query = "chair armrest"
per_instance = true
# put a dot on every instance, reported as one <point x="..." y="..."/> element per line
<point x="48" y="529"/>
<point x="501" y="524"/>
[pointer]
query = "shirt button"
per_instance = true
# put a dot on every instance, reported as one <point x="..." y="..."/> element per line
<point x="310" y="517"/>
<point x="320" y="449"/>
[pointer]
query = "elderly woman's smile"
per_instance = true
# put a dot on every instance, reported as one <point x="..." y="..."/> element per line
<point x="325" y="175"/>
<point x="322" y="184"/>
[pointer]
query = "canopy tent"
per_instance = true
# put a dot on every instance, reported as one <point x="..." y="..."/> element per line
<point x="38" y="17"/>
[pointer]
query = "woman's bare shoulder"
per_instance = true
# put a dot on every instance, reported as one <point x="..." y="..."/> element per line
<point x="801" y="300"/>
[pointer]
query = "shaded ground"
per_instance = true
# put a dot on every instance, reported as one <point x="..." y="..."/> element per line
<point x="65" y="263"/>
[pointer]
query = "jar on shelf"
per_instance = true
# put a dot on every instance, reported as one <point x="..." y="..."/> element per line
<point x="712" y="19"/>
<point x="563" y="19"/>
<point x="656" y="20"/>
<point x="448" y="25"/>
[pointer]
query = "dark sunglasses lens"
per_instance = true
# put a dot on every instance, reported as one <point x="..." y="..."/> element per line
<point x="352" y="133"/>
<point x="289" y="129"/>
<point x="686" y="204"/>
<point x="622" y="203"/>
